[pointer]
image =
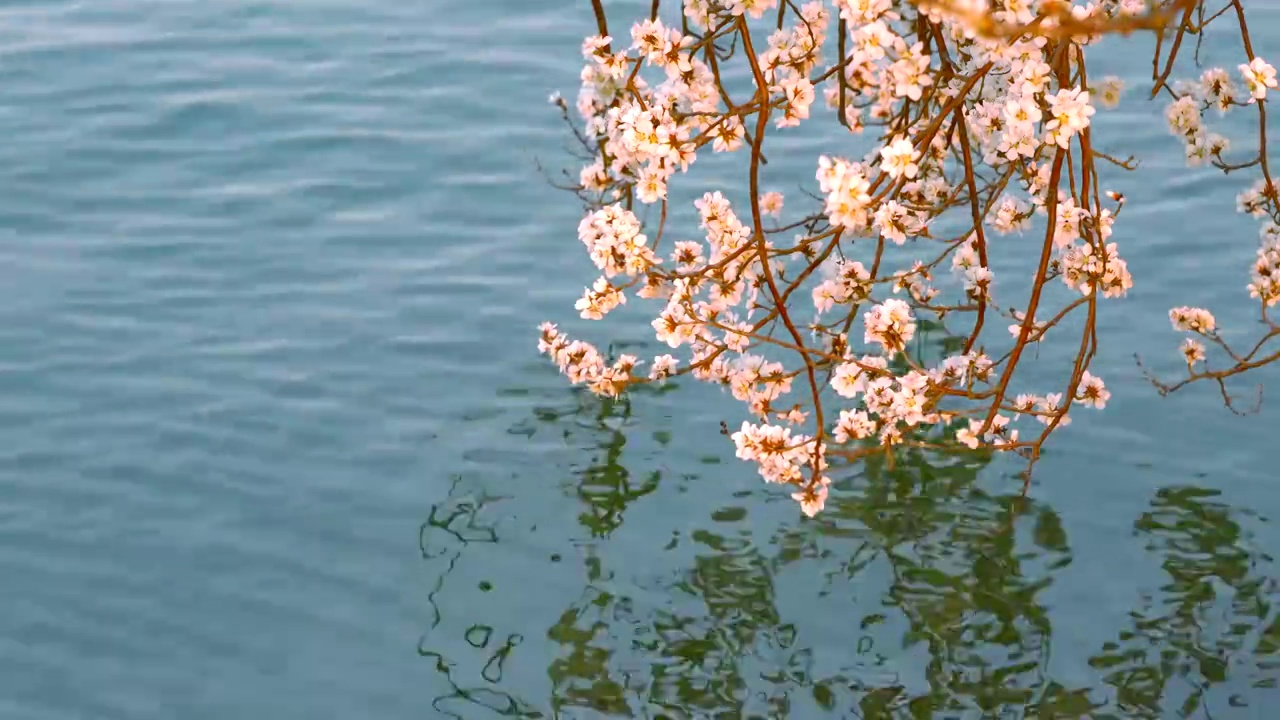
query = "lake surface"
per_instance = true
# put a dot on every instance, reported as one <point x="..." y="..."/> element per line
<point x="277" y="442"/>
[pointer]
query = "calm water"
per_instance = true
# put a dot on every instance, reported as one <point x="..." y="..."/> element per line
<point x="277" y="443"/>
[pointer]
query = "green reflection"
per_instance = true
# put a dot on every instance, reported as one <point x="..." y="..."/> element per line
<point x="605" y="487"/>
<point x="967" y="590"/>
<point x="1214" y="618"/>
<point x="966" y="573"/>
<point x="926" y="595"/>
<point x="451" y="527"/>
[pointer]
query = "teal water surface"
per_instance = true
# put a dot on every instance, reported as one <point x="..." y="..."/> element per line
<point x="278" y="443"/>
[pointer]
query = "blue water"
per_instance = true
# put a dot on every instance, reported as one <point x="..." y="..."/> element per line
<point x="277" y="442"/>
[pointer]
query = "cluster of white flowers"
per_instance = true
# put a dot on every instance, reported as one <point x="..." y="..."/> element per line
<point x="1085" y="269"/>
<point x="846" y="187"/>
<point x="1257" y="201"/>
<point x="890" y="324"/>
<point x="582" y="363"/>
<point x="599" y="299"/>
<point x="1192" y="351"/>
<point x="898" y="159"/>
<point x="614" y="241"/>
<point x="851" y="282"/>
<point x="1109" y="91"/>
<point x="881" y="65"/>
<point x="1192" y="319"/>
<point x="995" y="126"/>
<point x="998" y="433"/>
<point x="1258" y="76"/>
<point x="783" y="457"/>
<point x="1011" y="215"/>
<point x="1089" y="264"/>
<point x="792" y="54"/>
<point x="1185" y="115"/>
<point x="1069" y="113"/>
<point x="1016" y="114"/>
<point x="967" y="263"/>
<point x="1265" y="275"/>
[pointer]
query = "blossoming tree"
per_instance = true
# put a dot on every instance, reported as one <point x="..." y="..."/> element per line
<point x="978" y="118"/>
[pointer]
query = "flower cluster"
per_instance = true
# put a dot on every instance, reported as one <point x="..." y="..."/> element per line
<point x="847" y="189"/>
<point x="1191" y="319"/>
<point x="979" y="119"/>
<point x="614" y="242"/>
<point x="582" y="363"/>
<point x="1185" y="116"/>
<point x="1265" y="275"/>
<point x="1258" y="76"/>
<point x="851" y="283"/>
<point x="890" y="324"/>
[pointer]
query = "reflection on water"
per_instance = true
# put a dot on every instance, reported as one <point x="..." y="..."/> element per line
<point x="459" y="522"/>
<point x="936" y="587"/>
<point x="1214" y="621"/>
